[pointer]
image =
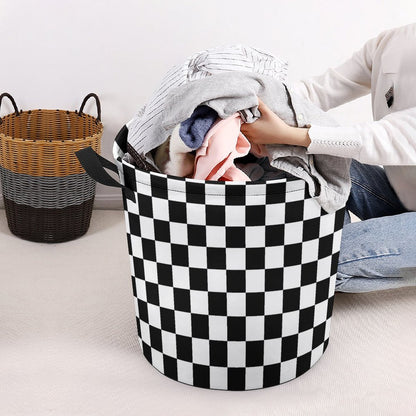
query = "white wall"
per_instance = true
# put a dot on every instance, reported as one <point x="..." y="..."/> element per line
<point x="54" y="52"/>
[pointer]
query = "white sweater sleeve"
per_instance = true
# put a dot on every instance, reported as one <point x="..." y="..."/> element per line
<point x="348" y="81"/>
<point x="389" y="141"/>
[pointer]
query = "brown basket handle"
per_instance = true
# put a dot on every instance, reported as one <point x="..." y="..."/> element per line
<point x="5" y="94"/>
<point x="96" y="100"/>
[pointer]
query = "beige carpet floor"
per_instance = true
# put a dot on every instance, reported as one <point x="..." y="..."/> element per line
<point x="68" y="343"/>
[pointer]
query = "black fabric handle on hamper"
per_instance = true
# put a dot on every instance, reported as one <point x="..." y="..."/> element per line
<point x="97" y="102"/>
<point x="95" y="166"/>
<point x="6" y="94"/>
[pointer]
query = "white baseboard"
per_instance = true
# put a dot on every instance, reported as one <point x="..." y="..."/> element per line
<point x="101" y="202"/>
<point x="108" y="202"/>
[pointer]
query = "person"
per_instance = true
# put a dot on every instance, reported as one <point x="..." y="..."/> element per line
<point x="378" y="252"/>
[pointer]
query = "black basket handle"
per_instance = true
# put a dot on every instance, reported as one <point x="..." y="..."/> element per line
<point x="97" y="102"/>
<point x="5" y="94"/>
<point x="95" y="165"/>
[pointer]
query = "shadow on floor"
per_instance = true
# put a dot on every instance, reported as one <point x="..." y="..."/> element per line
<point x="360" y="301"/>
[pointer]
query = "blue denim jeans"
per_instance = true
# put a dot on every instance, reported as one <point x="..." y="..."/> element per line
<point x="378" y="252"/>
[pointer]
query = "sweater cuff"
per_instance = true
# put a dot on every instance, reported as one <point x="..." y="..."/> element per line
<point x="335" y="141"/>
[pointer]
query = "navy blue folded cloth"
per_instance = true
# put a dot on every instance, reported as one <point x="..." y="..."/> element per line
<point x="194" y="129"/>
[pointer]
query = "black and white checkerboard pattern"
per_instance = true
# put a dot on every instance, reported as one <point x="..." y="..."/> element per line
<point x="233" y="282"/>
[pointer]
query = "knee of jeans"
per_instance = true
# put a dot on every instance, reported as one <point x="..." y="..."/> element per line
<point x="347" y="217"/>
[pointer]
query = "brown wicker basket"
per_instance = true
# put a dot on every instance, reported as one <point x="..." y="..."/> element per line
<point x="47" y="195"/>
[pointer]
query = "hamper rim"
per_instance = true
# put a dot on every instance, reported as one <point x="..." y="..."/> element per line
<point x="83" y="116"/>
<point x="207" y="186"/>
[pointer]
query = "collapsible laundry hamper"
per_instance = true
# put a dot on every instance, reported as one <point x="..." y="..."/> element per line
<point x="233" y="281"/>
<point x="47" y="195"/>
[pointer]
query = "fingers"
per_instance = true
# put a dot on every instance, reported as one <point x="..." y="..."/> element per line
<point x="263" y="107"/>
<point x="261" y="104"/>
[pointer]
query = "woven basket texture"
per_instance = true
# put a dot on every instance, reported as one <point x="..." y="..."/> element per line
<point x="43" y="142"/>
<point x="48" y="225"/>
<point x="48" y="196"/>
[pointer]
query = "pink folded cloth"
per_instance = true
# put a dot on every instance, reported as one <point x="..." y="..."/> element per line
<point x="223" y="143"/>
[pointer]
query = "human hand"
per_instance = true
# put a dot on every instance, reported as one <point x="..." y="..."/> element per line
<point x="271" y="129"/>
<point x="268" y="129"/>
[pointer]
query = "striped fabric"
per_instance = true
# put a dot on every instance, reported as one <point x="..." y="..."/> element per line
<point x="198" y="66"/>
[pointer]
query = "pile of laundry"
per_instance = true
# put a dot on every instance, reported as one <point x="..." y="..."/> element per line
<point x="191" y="126"/>
<point x="216" y="142"/>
